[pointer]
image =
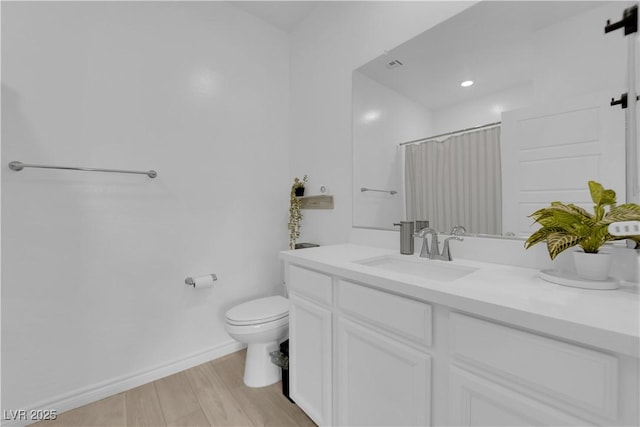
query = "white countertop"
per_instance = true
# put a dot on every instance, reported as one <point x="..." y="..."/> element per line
<point x="608" y="320"/>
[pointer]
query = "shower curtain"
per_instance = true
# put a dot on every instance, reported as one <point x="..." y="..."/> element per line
<point x="456" y="182"/>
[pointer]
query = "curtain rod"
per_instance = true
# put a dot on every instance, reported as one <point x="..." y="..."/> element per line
<point x="451" y="133"/>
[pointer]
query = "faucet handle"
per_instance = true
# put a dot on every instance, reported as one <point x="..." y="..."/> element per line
<point x="423" y="232"/>
<point x="458" y="230"/>
<point x="446" y="253"/>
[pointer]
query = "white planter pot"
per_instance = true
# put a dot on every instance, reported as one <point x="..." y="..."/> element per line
<point x="592" y="266"/>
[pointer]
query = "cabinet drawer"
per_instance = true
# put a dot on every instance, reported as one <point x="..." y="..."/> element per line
<point x="405" y="317"/>
<point x="313" y="285"/>
<point x="552" y="369"/>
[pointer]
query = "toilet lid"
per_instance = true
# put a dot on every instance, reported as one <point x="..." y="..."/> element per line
<point x="259" y="311"/>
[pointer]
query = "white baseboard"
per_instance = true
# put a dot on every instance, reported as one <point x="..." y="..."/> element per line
<point x="93" y="393"/>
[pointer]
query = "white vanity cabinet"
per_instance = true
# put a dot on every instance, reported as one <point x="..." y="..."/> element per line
<point x="310" y="343"/>
<point x="382" y="372"/>
<point x="382" y="379"/>
<point x="363" y="355"/>
<point x="503" y="376"/>
<point x="476" y="401"/>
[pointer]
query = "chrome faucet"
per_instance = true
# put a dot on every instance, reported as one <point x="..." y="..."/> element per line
<point x="425" y="252"/>
<point x="434" y="251"/>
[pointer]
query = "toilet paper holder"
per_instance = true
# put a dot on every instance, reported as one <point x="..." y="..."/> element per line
<point x="191" y="282"/>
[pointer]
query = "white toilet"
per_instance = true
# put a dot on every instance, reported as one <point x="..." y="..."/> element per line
<point x="262" y="324"/>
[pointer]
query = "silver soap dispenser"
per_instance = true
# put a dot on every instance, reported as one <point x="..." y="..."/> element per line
<point x="406" y="237"/>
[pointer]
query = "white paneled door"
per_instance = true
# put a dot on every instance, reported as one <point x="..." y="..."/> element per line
<point x="550" y="152"/>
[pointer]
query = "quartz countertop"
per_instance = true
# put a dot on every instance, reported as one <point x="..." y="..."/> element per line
<point x="608" y="320"/>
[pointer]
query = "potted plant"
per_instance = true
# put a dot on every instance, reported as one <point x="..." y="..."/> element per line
<point x="298" y="186"/>
<point x="295" y="210"/>
<point x="565" y="226"/>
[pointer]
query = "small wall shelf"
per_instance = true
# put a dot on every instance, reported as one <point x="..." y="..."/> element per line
<point x="322" y="201"/>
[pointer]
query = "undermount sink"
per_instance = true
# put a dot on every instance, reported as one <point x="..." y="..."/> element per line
<point x="420" y="267"/>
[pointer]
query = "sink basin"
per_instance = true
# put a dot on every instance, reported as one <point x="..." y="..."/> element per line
<point x="428" y="269"/>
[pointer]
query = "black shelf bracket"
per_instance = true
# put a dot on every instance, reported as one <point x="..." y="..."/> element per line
<point x="623" y="102"/>
<point x="629" y="22"/>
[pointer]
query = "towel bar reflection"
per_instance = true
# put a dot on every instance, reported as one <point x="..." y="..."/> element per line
<point x="392" y="192"/>
<point x="18" y="166"/>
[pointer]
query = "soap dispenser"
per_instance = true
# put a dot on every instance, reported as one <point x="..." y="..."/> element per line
<point x="406" y="237"/>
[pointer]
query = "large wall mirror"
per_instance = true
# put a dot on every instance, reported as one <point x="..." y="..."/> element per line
<point x="535" y="125"/>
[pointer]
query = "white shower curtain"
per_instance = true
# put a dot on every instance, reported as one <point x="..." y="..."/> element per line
<point x="456" y="182"/>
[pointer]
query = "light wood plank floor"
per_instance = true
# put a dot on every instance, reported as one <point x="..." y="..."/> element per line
<point x="211" y="394"/>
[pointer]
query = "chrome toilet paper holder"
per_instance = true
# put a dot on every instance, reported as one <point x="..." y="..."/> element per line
<point x="191" y="282"/>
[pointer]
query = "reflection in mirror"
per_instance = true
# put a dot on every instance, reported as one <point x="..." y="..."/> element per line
<point x="456" y="180"/>
<point x="544" y="71"/>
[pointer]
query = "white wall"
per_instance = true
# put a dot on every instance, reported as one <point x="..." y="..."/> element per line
<point x="94" y="264"/>
<point x="382" y="118"/>
<point x="480" y="111"/>
<point x="335" y="39"/>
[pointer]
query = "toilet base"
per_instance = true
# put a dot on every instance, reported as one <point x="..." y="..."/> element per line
<point x="258" y="369"/>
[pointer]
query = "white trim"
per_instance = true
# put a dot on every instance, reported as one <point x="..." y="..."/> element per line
<point x="83" y="396"/>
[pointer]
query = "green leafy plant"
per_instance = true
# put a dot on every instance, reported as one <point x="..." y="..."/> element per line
<point x="565" y="226"/>
<point x="295" y="211"/>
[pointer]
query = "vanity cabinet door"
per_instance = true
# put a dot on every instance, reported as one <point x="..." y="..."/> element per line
<point x="555" y="372"/>
<point x="310" y="358"/>
<point x="380" y="381"/>
<point x="476" y="401"/>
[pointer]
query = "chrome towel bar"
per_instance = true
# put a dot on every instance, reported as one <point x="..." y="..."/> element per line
<point x="18" y="166"/>
<point x="392" y="192"/>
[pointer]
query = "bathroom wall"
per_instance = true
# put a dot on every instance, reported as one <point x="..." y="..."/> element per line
<point x="93" y="264"/>
<point x="482" y="110"/>
<point x="335" y="39"/>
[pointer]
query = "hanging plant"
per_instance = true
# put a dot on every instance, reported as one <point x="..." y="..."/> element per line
<point x="295" y="211"/>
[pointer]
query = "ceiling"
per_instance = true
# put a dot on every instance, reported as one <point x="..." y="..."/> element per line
<point x="491" y="43"/>
<point x="285" y="15"/>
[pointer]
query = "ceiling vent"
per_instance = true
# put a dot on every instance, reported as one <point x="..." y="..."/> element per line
<point x="394" y="64"/>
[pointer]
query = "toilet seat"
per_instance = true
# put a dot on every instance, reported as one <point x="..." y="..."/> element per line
<point x="262" y="310"/>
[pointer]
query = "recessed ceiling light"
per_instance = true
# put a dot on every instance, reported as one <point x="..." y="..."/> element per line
<point x="466" y="83"/>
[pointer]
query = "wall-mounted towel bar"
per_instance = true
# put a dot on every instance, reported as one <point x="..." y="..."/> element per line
<point x="363" y="189"/>
<point x="18" y="166"/>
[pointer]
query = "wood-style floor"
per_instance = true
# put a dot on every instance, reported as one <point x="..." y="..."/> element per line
<point x="211" y="394"/>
